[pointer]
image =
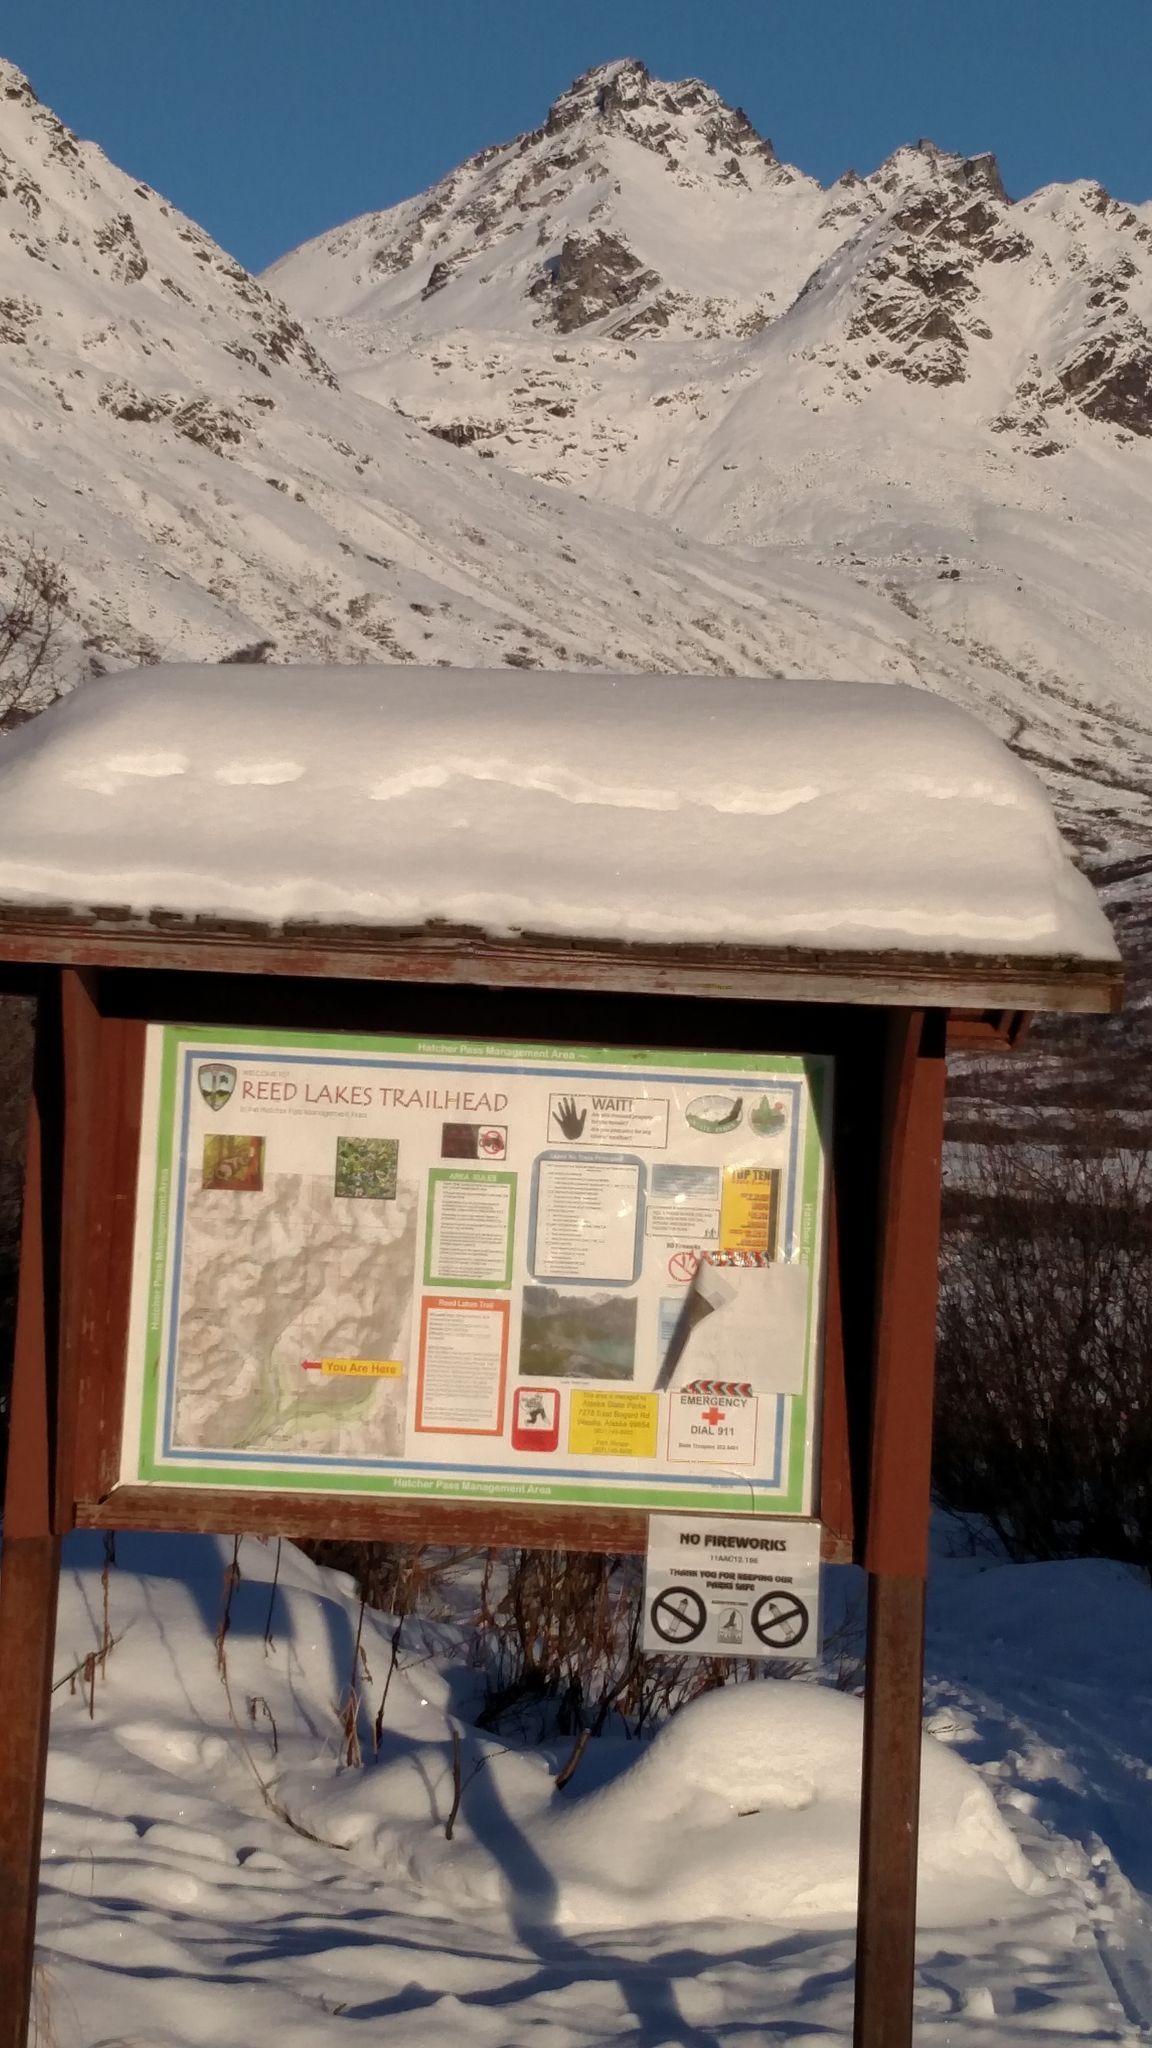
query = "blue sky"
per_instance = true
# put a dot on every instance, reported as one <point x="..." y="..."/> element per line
<point x="269" y="120"/>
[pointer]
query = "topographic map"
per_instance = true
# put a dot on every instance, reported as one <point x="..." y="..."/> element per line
<point x="289" y="1274"/>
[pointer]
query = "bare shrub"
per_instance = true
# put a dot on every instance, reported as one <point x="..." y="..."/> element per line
<point x="393" y="1578"/>
<point x="554" y="1638"/>
<point x="1044" y="1406"/>
<point x="255" y="651"/>
<point x="405" y="1581"/>
<point x="33" y="606"/>
<point x="557" y="1638"/>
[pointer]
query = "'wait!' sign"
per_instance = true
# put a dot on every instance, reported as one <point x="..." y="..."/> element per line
<point x="732" y="1588"/>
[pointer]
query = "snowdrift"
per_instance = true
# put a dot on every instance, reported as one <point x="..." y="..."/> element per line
<point x="693" y="1889"/>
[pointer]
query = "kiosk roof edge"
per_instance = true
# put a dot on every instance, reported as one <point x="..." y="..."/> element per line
<point x="961" y="983"/>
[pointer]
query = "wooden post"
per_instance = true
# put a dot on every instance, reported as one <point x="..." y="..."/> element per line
<point x="29" y="1578"/>
<point x="898" y="1507"/>
<point x="103" y="1074"/>
<point x="890" y="1812"/>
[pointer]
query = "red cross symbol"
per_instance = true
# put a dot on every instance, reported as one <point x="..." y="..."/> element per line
<point x="713" y="1416"/>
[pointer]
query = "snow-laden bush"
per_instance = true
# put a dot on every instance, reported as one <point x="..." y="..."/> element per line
<point x="1044" y="1404"/>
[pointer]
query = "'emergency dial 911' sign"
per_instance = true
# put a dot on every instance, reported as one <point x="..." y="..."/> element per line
<point x="732" y="1588"/>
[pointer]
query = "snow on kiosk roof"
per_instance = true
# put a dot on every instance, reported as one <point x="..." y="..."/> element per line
<point x="822" y="840"/>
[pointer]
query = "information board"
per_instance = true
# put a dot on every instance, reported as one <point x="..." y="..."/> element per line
<point x="535" y="1273"/>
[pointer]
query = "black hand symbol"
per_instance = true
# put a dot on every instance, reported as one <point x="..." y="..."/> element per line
<point x="570" y="1119"/>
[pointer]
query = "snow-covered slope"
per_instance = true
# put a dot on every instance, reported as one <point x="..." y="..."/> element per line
<point x="171" y="435"/>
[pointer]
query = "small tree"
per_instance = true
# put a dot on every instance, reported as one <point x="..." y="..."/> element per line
<point x="1044" y="1407"/>
<point x="33" y="605"/>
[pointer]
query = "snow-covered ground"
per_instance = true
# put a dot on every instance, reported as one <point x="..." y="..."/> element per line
<point x="694" y="1892"/>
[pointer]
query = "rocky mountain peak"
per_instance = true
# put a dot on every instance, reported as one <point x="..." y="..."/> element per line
<point x="923" y="163"/>
<point x="600" y="93"/>
<point x="980" y="173"/>
<point x="567" y="227"/>
<point x="623" y="98"/>
<point x="14" y="85"/>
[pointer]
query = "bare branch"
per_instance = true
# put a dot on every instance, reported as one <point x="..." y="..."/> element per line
<point x="33" y="606"/>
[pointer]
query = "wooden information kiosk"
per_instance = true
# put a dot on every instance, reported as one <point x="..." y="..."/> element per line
<point x="463" y="1121"/>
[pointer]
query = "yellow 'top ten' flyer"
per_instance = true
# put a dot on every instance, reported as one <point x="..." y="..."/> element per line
<point x="553" y="1273"/>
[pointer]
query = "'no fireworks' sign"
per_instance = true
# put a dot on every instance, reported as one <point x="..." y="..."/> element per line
<point x="732" y="1588"/>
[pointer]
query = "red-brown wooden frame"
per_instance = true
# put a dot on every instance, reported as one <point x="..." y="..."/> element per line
<point x="67" y="1412"/>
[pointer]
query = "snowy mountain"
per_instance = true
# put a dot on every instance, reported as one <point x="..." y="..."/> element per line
<point x="171" y="435"/>
<point x="643" y="212"/>
<point x="624" y="393"/>
<point x="943" y="398"/>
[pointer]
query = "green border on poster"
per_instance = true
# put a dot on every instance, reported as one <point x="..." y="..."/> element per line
<point x="817" y="1071"/>
<point x="378" y="1042"/>
<point x="150" y="1468"/>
